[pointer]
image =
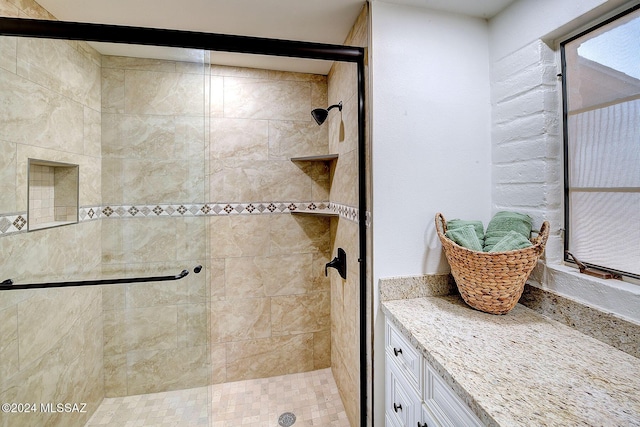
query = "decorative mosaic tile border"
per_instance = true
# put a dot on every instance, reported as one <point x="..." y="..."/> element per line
<point x="88" y="213"/>
<point x="210" y="209"/>
<point x="16" y="222"/>
<point x="13" y="223"/>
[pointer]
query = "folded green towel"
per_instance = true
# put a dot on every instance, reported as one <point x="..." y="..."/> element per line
<point x="513" y="240"/>
<point x="503" y="222"/>
<point x="477" y="225"/>
<point x="490" y="242"/>
<point x="465" y="236"/>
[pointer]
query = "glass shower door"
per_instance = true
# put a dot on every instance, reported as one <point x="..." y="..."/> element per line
<point x="132" y="123"/>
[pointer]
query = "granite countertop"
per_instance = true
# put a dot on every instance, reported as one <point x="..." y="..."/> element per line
<point x="522" y="368"/>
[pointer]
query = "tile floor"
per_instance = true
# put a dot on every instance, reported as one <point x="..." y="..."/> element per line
<point x="311" y="396"/>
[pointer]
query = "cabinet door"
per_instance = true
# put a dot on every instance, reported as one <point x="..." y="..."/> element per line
<point x="444" y="404"/>
<point x="426" y="419"/>
<point x="402" y="402"/>
<point x="388" y="420"/>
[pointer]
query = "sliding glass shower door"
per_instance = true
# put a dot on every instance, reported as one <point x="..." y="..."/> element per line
<point x="130" y="133"/>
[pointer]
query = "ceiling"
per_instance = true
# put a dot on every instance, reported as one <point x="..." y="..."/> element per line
<point x="324" y="21"/>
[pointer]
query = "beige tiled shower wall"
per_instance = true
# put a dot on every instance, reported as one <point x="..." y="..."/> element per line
<point x="185" y="132"/>
<point x="270" y="300"/>
<point x="345" y="303"/>
<point x="51" y="345"/>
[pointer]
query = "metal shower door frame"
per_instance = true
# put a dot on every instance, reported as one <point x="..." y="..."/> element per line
<point x="63" y="30"/>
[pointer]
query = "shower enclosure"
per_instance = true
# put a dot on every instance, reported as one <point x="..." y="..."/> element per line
<point x="207" y="205"/>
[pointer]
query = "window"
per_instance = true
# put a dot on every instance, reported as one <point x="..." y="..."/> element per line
<point x="601" y="97"/>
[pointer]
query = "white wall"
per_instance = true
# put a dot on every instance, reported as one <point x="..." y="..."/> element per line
<point x="430" y="142"/>
<point x="525" y="21"/>
<point x="431" y="132"/>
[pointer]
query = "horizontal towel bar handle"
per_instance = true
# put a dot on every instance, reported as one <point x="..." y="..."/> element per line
<point x="8" y="284"/>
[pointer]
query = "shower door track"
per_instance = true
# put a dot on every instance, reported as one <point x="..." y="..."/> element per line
<point x="8" y="285"/>
<point x="237" y="44"/>
<point x="65" y="30"/>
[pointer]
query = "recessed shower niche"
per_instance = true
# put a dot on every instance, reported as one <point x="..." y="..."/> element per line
<point x="52" y="194"/>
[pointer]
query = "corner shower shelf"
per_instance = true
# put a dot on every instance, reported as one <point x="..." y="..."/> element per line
<point x="317" y="158"/>
<point x="324" y="212"/>
<point x="320" y="158"/>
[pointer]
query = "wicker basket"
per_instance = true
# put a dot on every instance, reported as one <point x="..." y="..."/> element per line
<point x="491" y="281"/>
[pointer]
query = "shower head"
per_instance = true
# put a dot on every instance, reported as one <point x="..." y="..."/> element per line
<point x="320" y="114"/>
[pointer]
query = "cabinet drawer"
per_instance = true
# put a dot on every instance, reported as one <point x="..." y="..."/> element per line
<point x="399" y="349"/>
<point x="447" y="407"/>
<point x="402" y="402"/>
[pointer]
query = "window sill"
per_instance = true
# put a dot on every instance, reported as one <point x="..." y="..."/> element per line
<point x="614" y="296"/>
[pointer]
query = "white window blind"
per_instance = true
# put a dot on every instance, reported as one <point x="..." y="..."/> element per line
<point x="602" y="133"/>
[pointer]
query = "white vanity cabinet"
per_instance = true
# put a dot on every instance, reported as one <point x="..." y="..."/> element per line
<point x="415" y="395"/>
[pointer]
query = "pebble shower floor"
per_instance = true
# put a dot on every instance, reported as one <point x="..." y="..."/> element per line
<point x="312" y="396"/>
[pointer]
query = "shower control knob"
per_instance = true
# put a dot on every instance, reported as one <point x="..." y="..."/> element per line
<point x="339" y="263"/>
